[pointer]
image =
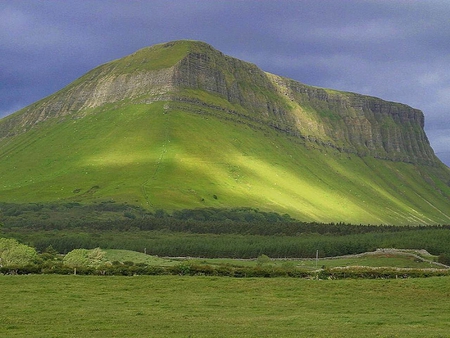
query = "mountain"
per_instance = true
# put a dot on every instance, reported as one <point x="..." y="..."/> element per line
<point x="181" y="125"/>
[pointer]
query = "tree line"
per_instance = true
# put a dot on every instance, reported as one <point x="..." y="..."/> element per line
<point x="175" y="244"/>
<point x="207" y="232"/>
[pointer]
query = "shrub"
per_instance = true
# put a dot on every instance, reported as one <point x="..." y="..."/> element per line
<point x="262" y="259"/>
<point x="444" y="258"/>
<point x="84" y="258"/>
<point x="12" y="253"/>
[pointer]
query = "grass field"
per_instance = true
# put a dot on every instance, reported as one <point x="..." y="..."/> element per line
<point x="137" y="257"/>
<point x="396" y="260"/>
<point x="173" y="306"/>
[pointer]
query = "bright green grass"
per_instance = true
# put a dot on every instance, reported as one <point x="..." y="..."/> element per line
<point x="170" y="159"/>
<point x="173" y="306"/>
<point x="153" y="58"/>
<point x="137" y="257"/>
<point x="397" y="262"/>
<point x="371" y="260"/>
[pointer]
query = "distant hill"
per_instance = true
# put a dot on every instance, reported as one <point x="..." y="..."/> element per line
<point x="180" y="125"/>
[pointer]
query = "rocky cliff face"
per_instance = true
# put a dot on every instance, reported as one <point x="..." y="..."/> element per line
<point x="241" y="83"/>
<point x="348" y="122"/>
<point x="99" y="87"/>
<point x="363" y="124"/>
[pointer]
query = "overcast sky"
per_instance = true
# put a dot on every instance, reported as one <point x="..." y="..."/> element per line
<point x="397" y="50"/>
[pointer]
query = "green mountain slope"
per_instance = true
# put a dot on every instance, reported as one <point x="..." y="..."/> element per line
<point x="180" y="125"/>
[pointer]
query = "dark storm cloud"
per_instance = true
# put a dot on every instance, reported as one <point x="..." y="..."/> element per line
<point x="396" y="50"/>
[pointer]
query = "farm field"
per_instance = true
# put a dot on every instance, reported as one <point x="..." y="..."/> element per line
<point x="182" y="306"/>
<point x="393" y="258"/>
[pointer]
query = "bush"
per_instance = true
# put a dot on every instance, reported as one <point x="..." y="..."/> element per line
<point x="84" y="258"/>
<point x="444" y="258"/>
<point x="262" y="259"/>
<point x="12" y="253"/>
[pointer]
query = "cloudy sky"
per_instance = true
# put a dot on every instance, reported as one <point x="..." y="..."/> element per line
<point x="398" y="50"/>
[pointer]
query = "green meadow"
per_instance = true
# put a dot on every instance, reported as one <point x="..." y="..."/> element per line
<point x="396" y="259"/>
<point x="180" y="306"/>
<point x="161" y="156"/>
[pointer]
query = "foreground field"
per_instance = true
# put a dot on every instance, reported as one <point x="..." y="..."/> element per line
<point x="173" y="306"/>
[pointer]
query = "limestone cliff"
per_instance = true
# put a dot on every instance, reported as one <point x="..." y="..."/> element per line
<point x="345" y="121"/>
<point x="358" y="123"/>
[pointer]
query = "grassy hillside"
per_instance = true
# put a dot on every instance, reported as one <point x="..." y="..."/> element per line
<point x="180" y="125"/>
<point x="161" y="156"/>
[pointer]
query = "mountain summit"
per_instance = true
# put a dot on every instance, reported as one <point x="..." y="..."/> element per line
<point x="181" y="125"/>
